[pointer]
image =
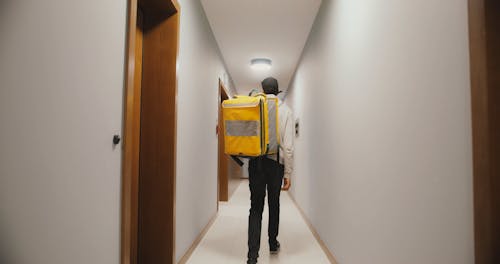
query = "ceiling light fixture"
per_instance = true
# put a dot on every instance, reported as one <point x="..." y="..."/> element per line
<point x="261" y="64"/>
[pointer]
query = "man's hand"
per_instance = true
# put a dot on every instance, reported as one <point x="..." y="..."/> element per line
<point x="286" y="184"/>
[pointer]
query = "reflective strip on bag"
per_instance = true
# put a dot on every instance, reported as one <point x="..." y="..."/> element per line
<point x="238" y="105"/>
<point x="273" y="136"/>
<point x="242" y="128"/>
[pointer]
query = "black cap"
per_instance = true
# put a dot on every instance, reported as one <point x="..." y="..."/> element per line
<point x="270" y="86"/>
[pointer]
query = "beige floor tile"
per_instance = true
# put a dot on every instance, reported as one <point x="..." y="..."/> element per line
<point x="226" y="240"/>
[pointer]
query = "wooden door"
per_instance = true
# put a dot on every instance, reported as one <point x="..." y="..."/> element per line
<point x="148" y="185"/>
<point x="222" y="158"/>
<point x="484" y="30"/>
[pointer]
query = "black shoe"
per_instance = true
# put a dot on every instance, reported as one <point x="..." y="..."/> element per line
<point x="252" y="261"/>
<point x="276" y="249"/>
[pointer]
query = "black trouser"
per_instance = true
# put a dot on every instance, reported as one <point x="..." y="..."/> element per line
<point x="263" y="171"/>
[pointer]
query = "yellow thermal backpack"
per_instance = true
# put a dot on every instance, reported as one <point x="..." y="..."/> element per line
<point x="251" y="125"/>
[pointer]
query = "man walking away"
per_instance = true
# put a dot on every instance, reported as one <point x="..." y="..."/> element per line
<point x="268" y="171"/>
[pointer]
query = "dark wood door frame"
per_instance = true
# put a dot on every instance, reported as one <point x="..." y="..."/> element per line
<point x="149" y="143"/>
<point x="222" y="160"/>
<point x="484" y="30"/>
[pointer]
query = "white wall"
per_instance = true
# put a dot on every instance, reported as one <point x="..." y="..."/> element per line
<point x="61" y="95"/>
<point x="200" y="67"/>
<point x="61" y="90"/>
<point x="383" y="162"/>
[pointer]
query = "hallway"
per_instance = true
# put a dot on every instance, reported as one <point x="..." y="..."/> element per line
<point x="112" y="130"/>
<point x="225" y="241"/>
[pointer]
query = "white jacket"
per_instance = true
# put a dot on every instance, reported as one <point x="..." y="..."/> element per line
<point x="286" y="130"/>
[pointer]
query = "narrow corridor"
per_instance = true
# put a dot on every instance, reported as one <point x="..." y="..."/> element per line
<point x="112" y="146"/>
<point x="225" y="241"/>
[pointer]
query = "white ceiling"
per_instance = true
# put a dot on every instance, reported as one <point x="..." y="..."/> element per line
<point x="247" y="29"/>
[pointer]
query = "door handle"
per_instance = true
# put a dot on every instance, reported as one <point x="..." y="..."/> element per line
<point x="116" y="139"/>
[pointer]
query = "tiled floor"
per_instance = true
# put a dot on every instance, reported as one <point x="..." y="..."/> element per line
<point x="226" y="241"/>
